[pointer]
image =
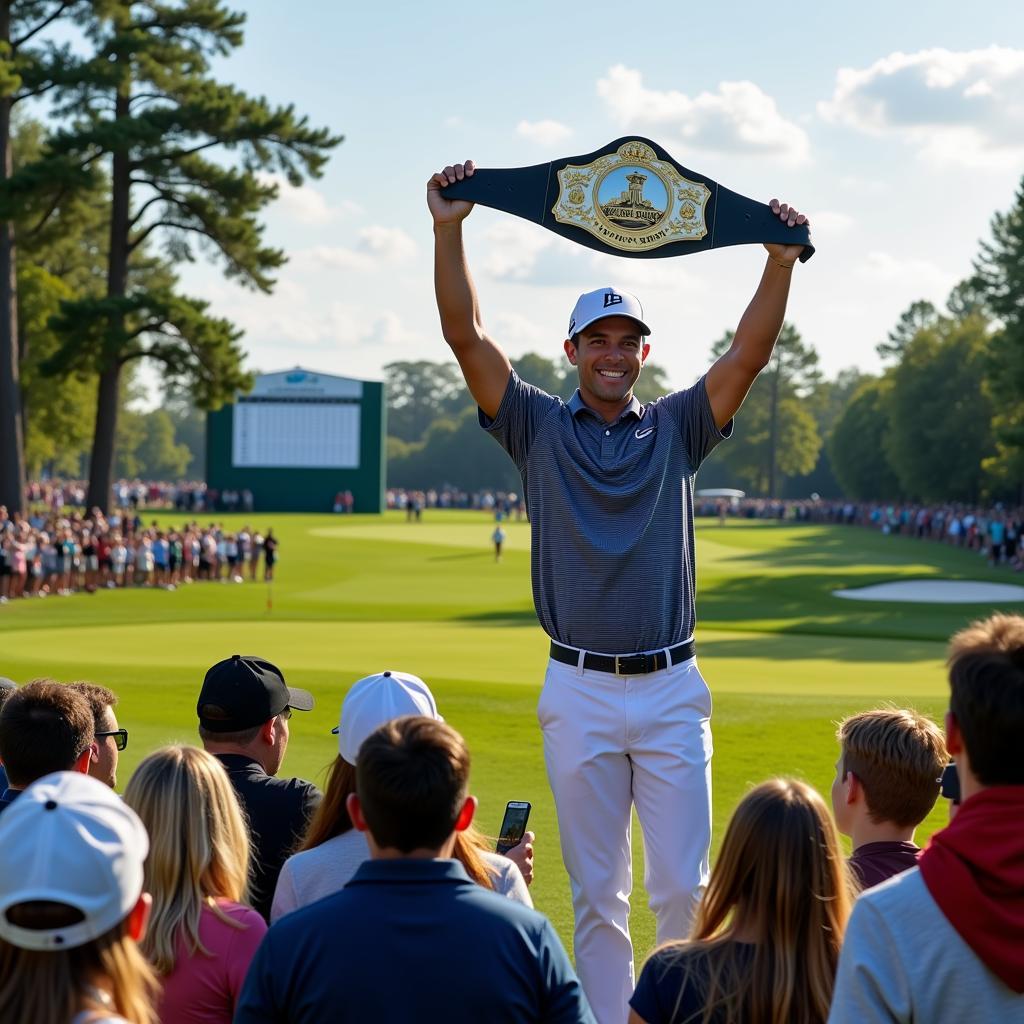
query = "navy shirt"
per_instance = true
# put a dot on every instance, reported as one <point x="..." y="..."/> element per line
<point x="611" y="512"/>
<point x="278" y="811"/>
<point x="673" y="986"/>
<point x="412" y="940"/>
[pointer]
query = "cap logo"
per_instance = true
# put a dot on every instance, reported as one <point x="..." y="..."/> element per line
<point x="611" y="299"/>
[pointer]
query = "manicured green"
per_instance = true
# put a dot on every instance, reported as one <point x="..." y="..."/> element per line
<point x="354" y="595"/>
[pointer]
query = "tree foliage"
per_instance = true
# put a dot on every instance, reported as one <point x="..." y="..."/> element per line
<point x="188" y="161"/>
<point x="857" y="445"/>
<point x="916" y="317"/>
<point x="1000" y="276"/>
<point x="779" y="433"/>
<point x="940" y="413"/>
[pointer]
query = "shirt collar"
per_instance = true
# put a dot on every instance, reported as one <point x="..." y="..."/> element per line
<point x="577" y="405"/>
<point x="409" y="870"/>
<point x="240" y="763"/>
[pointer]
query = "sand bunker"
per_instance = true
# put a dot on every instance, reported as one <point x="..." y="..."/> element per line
<point x="937" y="592"/>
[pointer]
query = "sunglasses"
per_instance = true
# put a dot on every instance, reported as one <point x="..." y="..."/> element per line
<point x="120" y="737"/>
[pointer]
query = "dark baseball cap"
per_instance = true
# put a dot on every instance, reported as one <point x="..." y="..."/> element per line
<point x="244" y="691"/>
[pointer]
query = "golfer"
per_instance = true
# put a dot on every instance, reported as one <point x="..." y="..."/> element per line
<point x="624" y="710"/>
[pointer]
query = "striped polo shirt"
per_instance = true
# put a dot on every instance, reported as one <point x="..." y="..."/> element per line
<point x="611" y="512"/>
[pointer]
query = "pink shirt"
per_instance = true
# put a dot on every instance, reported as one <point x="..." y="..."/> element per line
<point x="204" y="989"/>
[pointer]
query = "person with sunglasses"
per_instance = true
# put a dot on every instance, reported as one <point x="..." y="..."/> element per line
<point x="110" y="739"/>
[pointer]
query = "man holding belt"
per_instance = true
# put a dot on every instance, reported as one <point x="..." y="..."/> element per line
<point x="624" y="710"/>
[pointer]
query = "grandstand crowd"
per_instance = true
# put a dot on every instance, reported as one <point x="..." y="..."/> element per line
<point x="220" y="889"/>
<point x="50" y="552"/>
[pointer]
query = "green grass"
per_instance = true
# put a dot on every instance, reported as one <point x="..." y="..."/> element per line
<point x="784" y="658"/>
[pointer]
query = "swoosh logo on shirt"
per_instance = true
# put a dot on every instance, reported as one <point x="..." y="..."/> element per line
<point x="641" y="434"/>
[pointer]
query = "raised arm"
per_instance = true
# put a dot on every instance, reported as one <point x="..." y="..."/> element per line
<point x="484" y="365"/>
<point x="730" y="378"/>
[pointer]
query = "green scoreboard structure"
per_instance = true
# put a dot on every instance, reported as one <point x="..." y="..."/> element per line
<point x="297" y="439"/>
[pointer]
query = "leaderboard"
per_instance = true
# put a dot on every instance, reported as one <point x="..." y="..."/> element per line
<point x="298" y="420"/>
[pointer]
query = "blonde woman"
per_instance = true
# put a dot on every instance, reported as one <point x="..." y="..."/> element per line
<point x="201" y="935"/>
<point x="72" y="907"/>
<point x="766" y="941"/>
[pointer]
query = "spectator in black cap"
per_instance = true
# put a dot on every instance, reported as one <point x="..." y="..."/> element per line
<point x="243" y="709"/>
<point x="45" y="727"/>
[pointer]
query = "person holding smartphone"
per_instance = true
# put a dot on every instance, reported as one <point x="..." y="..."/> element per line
<point x="625" y="712"/>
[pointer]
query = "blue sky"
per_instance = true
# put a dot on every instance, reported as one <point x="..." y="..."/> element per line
<point x="899" y="129"/>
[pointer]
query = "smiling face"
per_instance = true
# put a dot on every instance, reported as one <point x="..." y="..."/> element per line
<point x="608" y="356"/>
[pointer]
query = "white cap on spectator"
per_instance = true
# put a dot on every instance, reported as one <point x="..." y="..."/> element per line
<point x="377" y="699"/>
<point x="70" y="839"/>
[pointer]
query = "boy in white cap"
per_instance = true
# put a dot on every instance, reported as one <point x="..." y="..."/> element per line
<point x="624" y="711"/>
<point x="71" y="876"/>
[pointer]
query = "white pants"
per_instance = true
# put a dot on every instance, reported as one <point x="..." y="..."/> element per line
<point x="611" y="742"/>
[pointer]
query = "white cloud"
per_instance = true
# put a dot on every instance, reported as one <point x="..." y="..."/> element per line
<point x="544" y="133"/>
<point x="831" y="221"/>
<point x="961" y="107"/>
<point x="391" y="245"/>
<point x="641" y="276"/>
<point x="913" y="275"/>
<point x="305" y="204"/>
<point x="331" y="257"/>
<point x="513" y="247"/>
<point x="376" y="246"/>
<point x="521" y="334"/>
<point x="738" y="118"/>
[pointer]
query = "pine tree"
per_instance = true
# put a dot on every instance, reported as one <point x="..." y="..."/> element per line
<point x="29" y="67"/>
<point x="185" y="155"/>
<point x="1000" y="273"/>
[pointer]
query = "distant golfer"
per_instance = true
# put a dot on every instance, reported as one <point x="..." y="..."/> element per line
<point x="624" y="710"/>
<point x="499" y="538"/>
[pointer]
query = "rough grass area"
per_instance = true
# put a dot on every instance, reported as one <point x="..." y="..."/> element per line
<point x="355" y="595"/>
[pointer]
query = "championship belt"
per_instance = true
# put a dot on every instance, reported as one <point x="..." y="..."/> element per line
<point x="630" y="199"/>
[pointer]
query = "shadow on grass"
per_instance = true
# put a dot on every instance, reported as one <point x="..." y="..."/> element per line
<point x="827" y="545"/>
<point x="500" y="617"/>
<point x="807" y="646"/>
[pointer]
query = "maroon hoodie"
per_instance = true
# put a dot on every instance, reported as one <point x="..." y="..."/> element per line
<point x="974" y="870"/>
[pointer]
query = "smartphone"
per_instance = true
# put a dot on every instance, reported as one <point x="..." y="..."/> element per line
<point x="513" y="825"/>
<point x="950" y="786"/>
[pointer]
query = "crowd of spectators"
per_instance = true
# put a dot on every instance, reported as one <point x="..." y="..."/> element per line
<point x="413" y="503"/>
<point x="219" y="890"/>
<point x="58" y="553"/>
<point x="993" y="531"/>
<point x="184" y="495"/>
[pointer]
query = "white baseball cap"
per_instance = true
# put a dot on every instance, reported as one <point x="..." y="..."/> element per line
<point x="70" y="839"/>
<point x="377" y="699"/>
<point x="596" y="305"/>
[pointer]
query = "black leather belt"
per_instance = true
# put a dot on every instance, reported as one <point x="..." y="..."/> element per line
<point x="625" y="664"/>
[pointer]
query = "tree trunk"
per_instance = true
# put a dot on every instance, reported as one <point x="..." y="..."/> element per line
<point x="12" y="448"/>
<point x="101" y="464"/>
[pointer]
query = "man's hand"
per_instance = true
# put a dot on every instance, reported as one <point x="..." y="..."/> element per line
<point x="522" y="856"/>
<point x="785" y="254"/>
<point x="448" y="211"/>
